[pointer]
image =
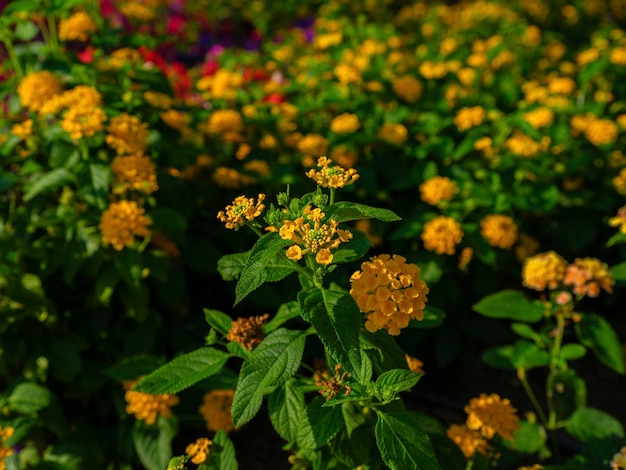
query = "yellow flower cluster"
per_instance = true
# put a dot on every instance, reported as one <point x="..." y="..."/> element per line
<point x="215" y="410"/>
<point x="543" y="270"/>
<point x="248" y="331"/>
<point x="241" y="211"/>
<point x="5" y="450"/>
<point x="441" y="235"/>
<point x="23" y="130"/>
<point x="619" y="220"/>
<point x="437" y="189"/>
<point x="77" y="27"/>
<point x="199" y="450"/>
<point x="468" y="440"/>
<point x="587" y="276"/>
<point x="466" y="118"/>
<point x="134" y="172"/>
<point x="137" y="11"/>
<point x="490" y="415"/>
<point x="313" y="144"/>
<point x="319" y="238"/>
<point x="619" y="460"/>
<point x="127" y="135"/>
<point x="332" y="176"/>
<point x="393" y="132"/>
<point x="227" y="123"/>
<point x="597" y="131"/>
<point x="540" y="117"/>
<point x="222" y="85"/>
<point x="83" y="121"/>
<point x="37" y="88"/>
<point x="230" y="178"/>
<point x="407" y="87"/>
<point x="175" y="119"/>
<point x="345" y="123"/>
<point x="389" y="291"/>
<point x="148" y="407"/>
<point x="522" y="145"/>
<point x="415" y="365"/>
<point x="121" y="222"/>
<point x="499" y="230"/>
<point x="344" y="156"/>
<point x="157" y="99"/>
<point x="620" y="181"/>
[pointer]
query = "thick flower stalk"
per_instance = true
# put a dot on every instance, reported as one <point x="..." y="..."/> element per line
<point x="389" y="291"/>
<point x="490" y="415"/>
<point x="333" y="177"/>
<point x="311" y="235"/>
<point x="148" y="407"/>
<point x="241" y="211"/>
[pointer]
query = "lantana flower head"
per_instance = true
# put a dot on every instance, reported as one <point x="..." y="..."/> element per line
<point x="77" y="27"/>
<point x="215" y="410"/>
<point x="311" y="235"/>
<point x="619" y="220"/>
<point x="499" y="230"/>
<point x="147" y="407"/>
<point x="543" y="270"/>
<point x="437" y="189"/>
<point x="5" y="451"/>
<point x="468" y="440"/>
<point x="390" y="292"/>
<point x="121" y="222"/>
<point x="248" y="331"/>
<point x="619" y="460"/>
<point x="242" y="210"/>
<point x="332" y="176"/>
<point x="490" y="415"/>
<point x="442" y="234"/>
<point x="199" y="450"/>
<point x="134" y="172"/>
<point x="588" y="276"/>
<point x="37" y="88"/>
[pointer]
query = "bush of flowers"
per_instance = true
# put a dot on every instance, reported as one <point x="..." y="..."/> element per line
<point x="222" y="213"/>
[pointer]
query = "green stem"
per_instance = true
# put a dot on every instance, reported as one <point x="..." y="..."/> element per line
<point x="255" y="230"/>
<point x="332" y="195"/>
<point x="521" y="374"/>
<point x="19" y="72"/>
<point x="558" y="339"/>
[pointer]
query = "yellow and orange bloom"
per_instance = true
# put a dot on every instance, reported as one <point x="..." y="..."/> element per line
<point x="332" y="176"/>
<point x="619" y="220"/>
<point x="437" y="189"/>
<point x="148" y="407"/>
<point x="127" y="134"/>
<point x="390" y="292"/>
<point x="544" y="270"/>
<point x="134" y="172"/>
<point x="441" y="235"/>
<point x="122" y="222"/>
<point x="587" y="276"/>
<point x="415" y="365"/>
<point x="5" y="451"/>
<point x="394" y="133"/>
<point x="499" y="230"/>
<point x="407" y="87"/>
<point x="215" y="410"/>
<point x="248" y="331"/>
<point x="468" y="440"/>
<point x="77" y="27"/>
<point x="242" y="211"/>
<point x="490" y="415"/>
<point x="466" y="118"/>
<point x="37" y="88"/>
<point x="619" y="460"/>
<point x="345" y="123"/>
<point x="199" y="450"/>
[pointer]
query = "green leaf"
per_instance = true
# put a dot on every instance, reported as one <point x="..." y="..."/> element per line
<point x="619" y="272"/>
<point x="26" y="30"/>
<point x="572" y="351"/>
<point x="286" y="312"/>
<point x="218" y="320"/>
<point x="465" y="147"/>
<point x="183" y="372"/>
<point x="397" y="380"/>
<point x="347" y="211"/>
<point x="528" y="355"/>
<point x="337" y="321"/>
<point x="529" y="438"/>
<point x="569" y="392"/>
<point x="386" y="354"/>
<point x="133" y="367"/>
<point x="598" y="335"/>
<point x="222" y="455"/>
<point x="589" y="423"/>
<point x="100" y="181"/>
<point x="258" y="265"/>
<point x="524" y="330"/>
<point x="153" y="443"/>
<point x="354" y="250"/>
<point x="500" y="357"/>
<point x="510" y="304"/>
<point x="433" y="317"/>
<point x="230" y="266"/>
<point x="286" y="409"/>
<point x="402" y="443"/>
<point x="271" y="363"/>
<point x="29" y="398"/>
<point x="319" y="424"/>
<point x="48" y="181"/>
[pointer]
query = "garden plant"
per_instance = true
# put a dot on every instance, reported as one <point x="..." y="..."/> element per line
<point x="317" y="234"/>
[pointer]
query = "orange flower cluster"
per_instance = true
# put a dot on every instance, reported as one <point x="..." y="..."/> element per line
<point x="619" y="460"/>
<point x="407" y="87"/>
<point x="127" y="134"/>
<point x="334" y="384"/>
<point x="619" y="220"/>
<point x="540" y="117"/>
<point x="37" y="88"/>
<point x="543" y="270"/>
<point x="248" y="331"/>
<point x="148" y="407"/>
<point x="345" y="123"/>
<point x="199" y="450"/>
<point x="466" y="118"/>
<point x="415" y="365"/>
<point x="134" y="172"/>
<point x="77" y="27"/>
<point x="499" y="230"/>
<point x="310" y="235"/>
<point x="490" y="415"/>
<point x="437" y="189"/>
<point x="469" y="441"/>
<point x="241" y="211"/>
<point x="215" y="410"/>
<point x="332" y="176"/>
<point x="5" y="450"/>
<point x="389" y="291"/>
<point x="394" y="133"/>
<point x="587" y="276"/>
<point x="442" y="234"/>
<point x="121" y="222"/>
